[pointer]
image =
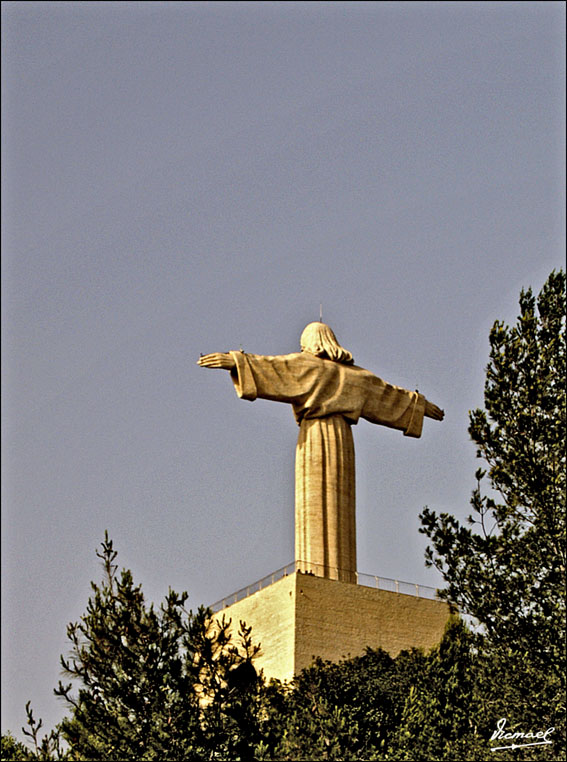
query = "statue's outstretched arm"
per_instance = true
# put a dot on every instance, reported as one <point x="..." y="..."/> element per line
<point x="217" y="360"/>
<point x="432" y="411"/>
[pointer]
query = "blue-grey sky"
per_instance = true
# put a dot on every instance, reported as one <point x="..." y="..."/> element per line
<point x="193" y="177"/>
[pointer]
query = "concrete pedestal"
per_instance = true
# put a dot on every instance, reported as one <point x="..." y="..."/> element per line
<point x="301" y="616"/>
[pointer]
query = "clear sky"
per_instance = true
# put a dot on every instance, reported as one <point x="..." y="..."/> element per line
<point x="194" y="177"/>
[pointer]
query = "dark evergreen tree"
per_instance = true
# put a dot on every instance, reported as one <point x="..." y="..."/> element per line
<point x="340" y="711"/>
<point x="507" y="568"/>
<point x="153" y="684"/>
<point x="135" y="693"/>
<point x="440" y="716"/>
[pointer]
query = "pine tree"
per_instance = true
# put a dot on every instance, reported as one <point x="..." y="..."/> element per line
<point x="155" y="684"/>
<point x="507" y="568"/>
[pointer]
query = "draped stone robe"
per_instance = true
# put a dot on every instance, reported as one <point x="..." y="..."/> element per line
<point x="327" y="399"/>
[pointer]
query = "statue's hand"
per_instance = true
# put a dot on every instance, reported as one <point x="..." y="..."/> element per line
<point x="432" y="411"/>
<point x="217" y="360"/>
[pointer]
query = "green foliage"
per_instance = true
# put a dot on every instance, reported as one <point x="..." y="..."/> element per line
<point x="46" y="748"/>
<point x="346" y="711"/>
<point x="338" y="711"/>
<point x="507" y="568"/>
<point x="440" y="716"/>
<point x="229" y="689"/>
<point x="132" y="673"/>
<point x="13" y="750"/>
<point x="152" y="684"/>
<point x="373" y="707"/>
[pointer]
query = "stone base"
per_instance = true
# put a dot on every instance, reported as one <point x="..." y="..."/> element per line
<point x="302" y="616"/>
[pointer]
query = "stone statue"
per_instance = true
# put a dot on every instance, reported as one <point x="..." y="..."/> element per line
<point x="328" y="394"/>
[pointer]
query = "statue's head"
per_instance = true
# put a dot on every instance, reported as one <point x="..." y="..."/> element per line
<point x="319" y="340"/>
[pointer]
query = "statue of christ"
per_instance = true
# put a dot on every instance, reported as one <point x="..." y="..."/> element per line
<point x="328" y="394"/>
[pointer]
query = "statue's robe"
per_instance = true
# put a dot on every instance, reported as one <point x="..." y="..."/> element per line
<point x="327" y="399"/>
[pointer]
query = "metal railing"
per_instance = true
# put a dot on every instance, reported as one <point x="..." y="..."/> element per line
<point x="318" y="570"/>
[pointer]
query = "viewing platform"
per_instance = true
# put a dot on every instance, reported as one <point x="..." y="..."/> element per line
<point x="302" y="567"/>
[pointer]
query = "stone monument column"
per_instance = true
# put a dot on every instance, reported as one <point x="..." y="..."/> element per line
<point x="325" y="525"/>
